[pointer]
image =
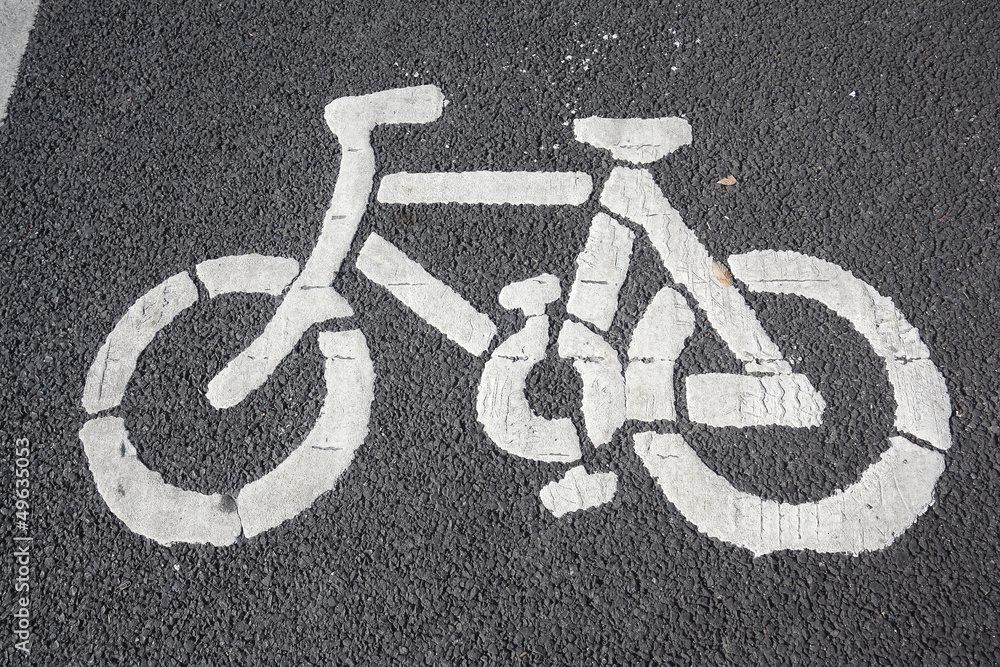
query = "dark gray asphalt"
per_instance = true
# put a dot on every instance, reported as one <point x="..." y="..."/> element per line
<point x="143" y="138"/>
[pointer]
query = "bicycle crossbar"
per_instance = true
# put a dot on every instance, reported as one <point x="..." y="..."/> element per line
<point x="549" y="188"/>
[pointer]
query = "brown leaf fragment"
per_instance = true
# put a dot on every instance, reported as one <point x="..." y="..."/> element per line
<point x="728" y="180"/>
<point x="721" y="273"/>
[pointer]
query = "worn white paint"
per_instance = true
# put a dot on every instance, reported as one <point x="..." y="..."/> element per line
<point x="16" y="19"/>
<point x="247" y="273"/>
<point x="923" y="408"/>
<point x="314" y="466"/>
<point x="530" y="296"/>
<point x="635" y="140"/>
<point x="503" y="408"/>
<point x="570" y="188"/>
<point x="300" y="310"/>
<point x="634" y="195"/>
<point x="439" y="305"/>
<point x="115" y="362"/>
<point x="603" y="384"/>
<point x="867" y="515"/>
<point x="501" y="404"/>
<point x="579" y="490"/>
<point x="601" y="270"/>
<point x="657" y="341"/>
<point x="352" y="120"/>
<point x="723" y="399"/>
<point x="165" y="513"/>
<point x="143" y="501"/>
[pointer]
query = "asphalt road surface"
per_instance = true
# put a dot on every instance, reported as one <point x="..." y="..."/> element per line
<point x="551" y="406"/>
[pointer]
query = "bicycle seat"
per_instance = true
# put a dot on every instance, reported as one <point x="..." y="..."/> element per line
<point x="635" y="140"/>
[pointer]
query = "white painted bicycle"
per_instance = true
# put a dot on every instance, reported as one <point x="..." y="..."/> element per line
<point x="637" y="384"/>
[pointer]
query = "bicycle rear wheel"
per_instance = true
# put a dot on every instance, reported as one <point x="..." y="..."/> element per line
<point x="890" y="494"/>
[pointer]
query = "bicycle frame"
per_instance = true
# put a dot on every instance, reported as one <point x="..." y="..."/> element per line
<point x="768" y="394"/>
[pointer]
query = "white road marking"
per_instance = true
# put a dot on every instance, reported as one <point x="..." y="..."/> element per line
<point x="487" y="187"/>
<point x="501" y="405"/>
<point x="634" y="195"/>
<point x="531" y="295"/>
<point x="315" y="465"/>
<point x="143" y="501"/>
<point x="247" y="273"/>
<point x="579" y="490"/>
<point x="115" y="361"/>
<point x="603" y="385"/>
<point x="601" y="270"/>
<point x="16" y="20"/>
<point x="165" y="513"/>
<point x="723" y="399"/>
<point x="868" y="515"/>
<point x="657" y="341"/>
<point x="635" y="140"/>
<point x="438" y="305"/>
<point x="352" y="120"/>
<point x="923" y="408"/>
<point x="300" y="310"/>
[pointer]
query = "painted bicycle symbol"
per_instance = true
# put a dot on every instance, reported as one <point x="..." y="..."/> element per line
<point x="636" y="384"/>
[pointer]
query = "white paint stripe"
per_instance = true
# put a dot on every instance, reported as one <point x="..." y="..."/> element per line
<point x="923" y="408"/>
<point x="657" y="341"/>
<point x="603" y="385"/>
<point x="487" y="187"/>
<point x="115" y="362"/>
<point x="635" y="140"/>
<point x="632" y="194"/>
<point x="300" y="310"/>
<point x="531" y="295"/>
<point x="866" y="516"/>
<point x="503" y="409"/>
<point x="436" y="303"/>
<point x="165" y="513"/>
<point x="143" y="501"/>
<point x="247" y="273"/>
<point x="722" y="399"/>
<point x="314" y="467"/>
<point x="601" y="270"/>
<point x="352" y="120"/>
<point x="16" y="20"/>
<point x="579" y="490"/>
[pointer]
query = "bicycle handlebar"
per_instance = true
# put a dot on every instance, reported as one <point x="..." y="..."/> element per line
<point x="351" y="117"/>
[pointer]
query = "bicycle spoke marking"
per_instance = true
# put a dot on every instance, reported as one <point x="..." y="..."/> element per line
<point x="432" y="300"/>
<point x="601" y="271"/>
<point x="487" y="187"/>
